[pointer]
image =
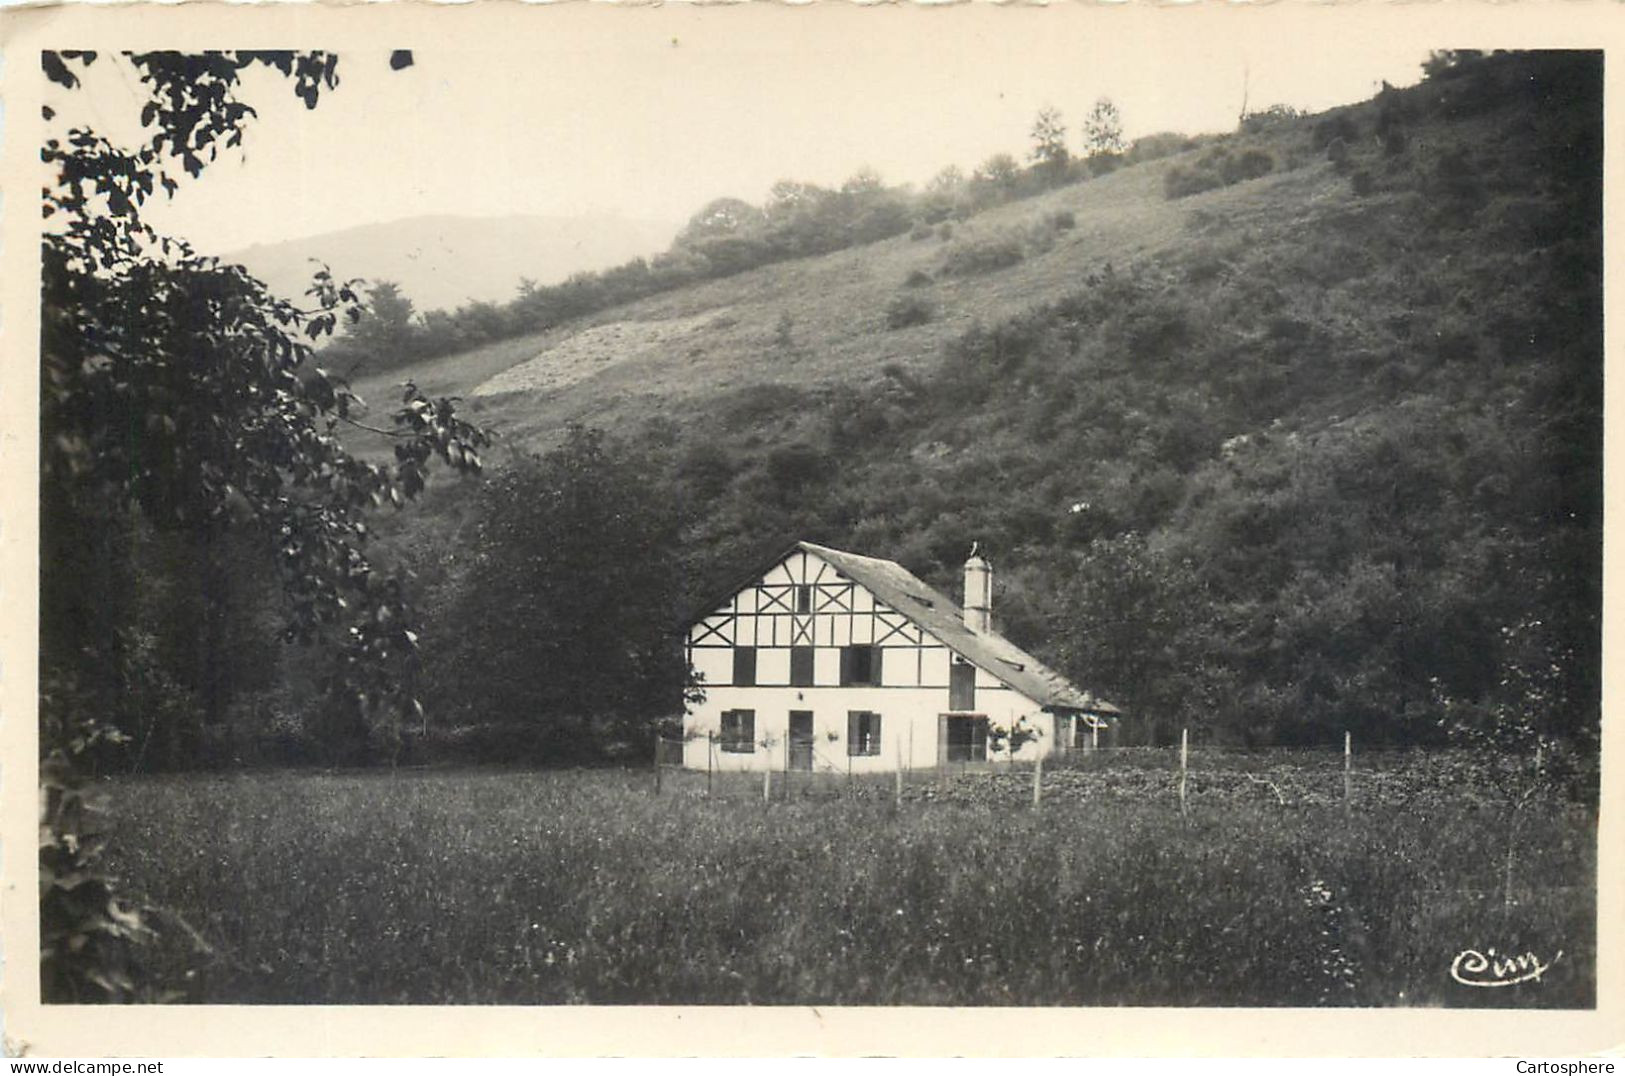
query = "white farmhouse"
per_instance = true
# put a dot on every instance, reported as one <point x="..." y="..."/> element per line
<point x="831" y="661"/>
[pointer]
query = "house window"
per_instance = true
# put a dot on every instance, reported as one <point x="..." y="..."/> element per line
<point x="860" y="665"/>
<point x="966" y="739"/>
<point x="803" y="598"/>
<point x="738" y="731"/>
<point x="801" y="666"/>
<point x="744" y="666"/>
<point x="862" y="732"/>
<point x="961" y="686"/>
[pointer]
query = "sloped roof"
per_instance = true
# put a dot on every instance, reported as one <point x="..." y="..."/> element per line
<point x="942" y="618"/>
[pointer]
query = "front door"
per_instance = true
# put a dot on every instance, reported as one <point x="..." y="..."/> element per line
<point x="801" y="740"/>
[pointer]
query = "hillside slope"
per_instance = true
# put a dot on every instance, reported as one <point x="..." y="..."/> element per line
<point x="669" y="353"/>
<point x="1313" y="451"/>
<point x="444" y="261"/>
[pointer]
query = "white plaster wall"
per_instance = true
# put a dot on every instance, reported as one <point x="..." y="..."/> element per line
<point x="773" y="665"/>
<point x="714" y="665"/>
<point x="908" y="731"/>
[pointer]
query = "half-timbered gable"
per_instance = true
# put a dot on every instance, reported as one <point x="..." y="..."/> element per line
<point x="830" y="660"/>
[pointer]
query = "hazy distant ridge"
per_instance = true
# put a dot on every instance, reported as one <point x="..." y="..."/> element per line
<point x="442" y="262"/>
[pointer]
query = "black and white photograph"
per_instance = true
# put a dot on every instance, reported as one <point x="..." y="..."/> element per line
<point x="807" y="508"/>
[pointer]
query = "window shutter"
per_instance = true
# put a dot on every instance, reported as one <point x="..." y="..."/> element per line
<point x="961" y="686"/>
<point x="874" y="665"/>
<point x="874" y="734"/>
<point x="854" y="730"/>
<point x="801" y="666"/>
<point x="744" y="666"/>
<point x="846" y="666"/>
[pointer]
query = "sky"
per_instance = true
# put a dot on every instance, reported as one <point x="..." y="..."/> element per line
<point x="652" y="112"/>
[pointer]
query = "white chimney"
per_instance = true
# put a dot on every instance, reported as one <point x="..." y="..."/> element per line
<point x="978" y="592"/>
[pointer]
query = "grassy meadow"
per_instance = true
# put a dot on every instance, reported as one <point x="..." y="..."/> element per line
<point x="516" y="887"/>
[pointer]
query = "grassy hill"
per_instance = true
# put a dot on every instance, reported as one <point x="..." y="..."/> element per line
<point x="443" y="261"/>
<point x="1315" y="449"/>
<point x="678" y="350"/>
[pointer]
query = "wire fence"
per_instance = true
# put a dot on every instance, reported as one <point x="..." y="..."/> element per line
<point x="1182" y="776"/>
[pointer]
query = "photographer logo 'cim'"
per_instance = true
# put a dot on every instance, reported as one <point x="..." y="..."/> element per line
<point x="1473" y="968"/>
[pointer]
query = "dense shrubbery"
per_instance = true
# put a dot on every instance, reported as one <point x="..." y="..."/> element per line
<point x="1218" y="167"/>
<point x="906" y="310"/>
<point x="982" y="254"/>
<point x="1339" y="127"/>
<point x="578" y="551"/>
<point x="1157" y="146"/>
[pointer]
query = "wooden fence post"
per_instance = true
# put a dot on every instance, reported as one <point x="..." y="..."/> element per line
<point x="1184" y="748"/>
<point x="658" y="745"/>
<point x="899" y="781"/>
<point x="1094" y="735"/>
<point x="767" y="784"/>
<point x="710" y="750"/>
<point x="1038" y="783"/>
<point x="1348" y="758"/>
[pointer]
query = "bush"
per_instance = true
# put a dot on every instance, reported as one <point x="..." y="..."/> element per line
<point x="1362" y="183"/>
<point x="1454" y="187"/>
<point x="1156" y="146"/>
<point x="759" y="404"/>
<point x="1182" y="181"/>
<point x="945" y="231"/>
<point x="969" y="258"/>
<point x="1062" y="220"/>
<point x="906" y="310"/>
<point x="1271" y="118"/>
<point x="917" y="278"/>
<point x="1205" y="264"/>
<point x="920" y="231"/>
<point x="1104" y="164"/>
<point x="1253" y="164"/>
<point x="1334" y="128"/>
<point x="1219" y="167"/>
<point x="797" y="466"/>
<point x="1338" y="154"/>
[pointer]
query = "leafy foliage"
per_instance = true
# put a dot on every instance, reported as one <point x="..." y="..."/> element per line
<point x="88" y="934"/>
<point x="577" y="551"/>
<point x="1103" y="129"/>
<point x="180" y="399"/>
<point x="1049" y="153"/>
